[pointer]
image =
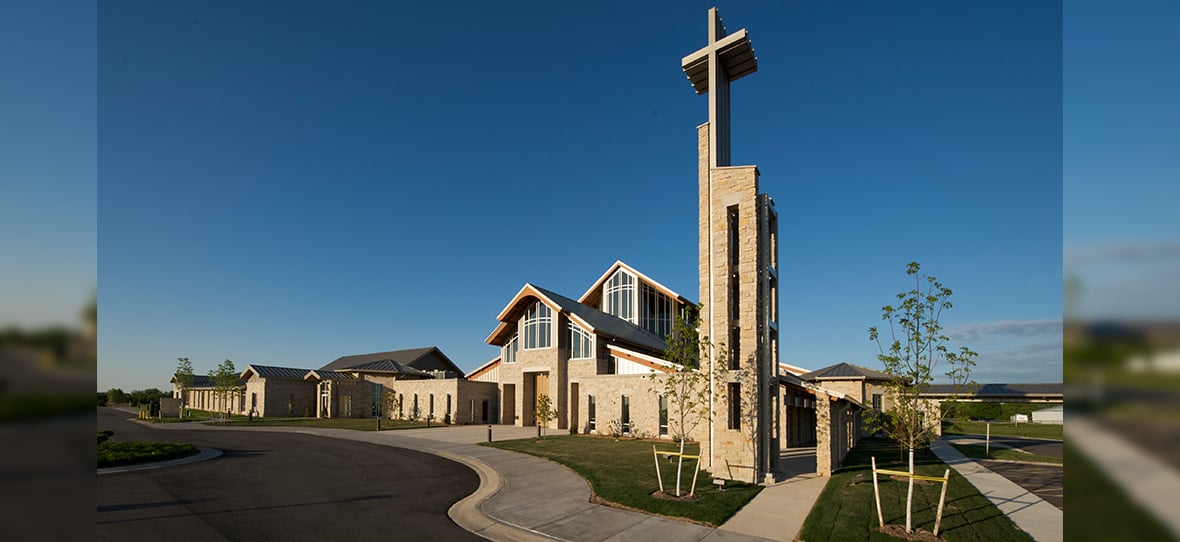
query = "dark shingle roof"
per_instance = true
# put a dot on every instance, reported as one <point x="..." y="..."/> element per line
<point x="607" y="324"/>
<point x="845" y="370"/>
<point x="1003" y="390"/>
<point x="404" y="357"/>
<point x="270" y="371"/>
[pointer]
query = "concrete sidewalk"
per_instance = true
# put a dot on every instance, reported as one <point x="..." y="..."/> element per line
<point x="1032" y="514"/>
<point x="527" y="498"/>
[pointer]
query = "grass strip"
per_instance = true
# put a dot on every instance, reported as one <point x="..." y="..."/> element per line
<point x="115" y="454"/>
<point x="1006" y="429"/>
<point x="1008" y="454"/>
<point x="622" y="473"/>
<point x="846" y="511"/>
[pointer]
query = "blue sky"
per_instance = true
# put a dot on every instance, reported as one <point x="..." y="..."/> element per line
<point x="289" y="186"/>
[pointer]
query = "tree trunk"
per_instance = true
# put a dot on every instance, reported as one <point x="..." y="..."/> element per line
<point x="679" y="464"/>
<point x="909" y="496"/>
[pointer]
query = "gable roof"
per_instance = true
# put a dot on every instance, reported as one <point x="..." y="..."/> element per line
<point x="399" y="357"/>
<point x="620" y="265"/>
<point x="590" y="318"/>
<point x="270" y="371"/>
<point x="846" y="371"/>
<point x="327" y="375"/>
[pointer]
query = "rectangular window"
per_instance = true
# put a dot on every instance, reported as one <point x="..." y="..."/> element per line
<point x="590" y="425"/>
<point x="253" y="400"/>
<point x="735" y="405"/>
<point x="432" y="405"/>
<point x="448" y="404"/>
<point x="625" y="419"/>
<point x="733" y="252"/>
<point x="735" y="351"/>
<point x="876" y="401"/>
<point x="414" y="412"/>
<point x="241" y="401"/>
<point x="663" y="415"/>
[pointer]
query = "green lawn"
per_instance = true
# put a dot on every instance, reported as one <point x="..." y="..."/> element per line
<point x="845" y="511"/>
<point x="980" y="452"/>
<point x="113" y="454"/>
<point x="1008" y="429"/>
<point x="621" y="472"/>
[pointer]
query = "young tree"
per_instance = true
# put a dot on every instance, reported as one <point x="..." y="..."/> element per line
<point x="393" y="404"/>
<point x="544" y="411"/>
<point x="225" y="382"/>
<point x="747" y="381"/>
<point x="916" y="350"/>
<point x="184" y="381"/>
<point x="686" y="387"/>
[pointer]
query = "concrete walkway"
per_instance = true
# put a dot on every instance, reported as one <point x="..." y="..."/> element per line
<point x="522" y="497"/>
<point x="1041" y="520"/>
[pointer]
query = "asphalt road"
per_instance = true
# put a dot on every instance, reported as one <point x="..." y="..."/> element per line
<point x="272" y="486"/>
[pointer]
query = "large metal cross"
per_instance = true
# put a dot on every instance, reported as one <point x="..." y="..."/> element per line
<point x="710" y="69"/>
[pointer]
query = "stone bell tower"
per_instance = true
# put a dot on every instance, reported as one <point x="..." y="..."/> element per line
<point x="738" y="274"/>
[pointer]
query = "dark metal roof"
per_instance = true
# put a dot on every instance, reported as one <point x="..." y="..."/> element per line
<point x="404" y="357"/>
<point x="388" y="366"/>
<point x="607" y="324"/>
<point x="270" y="371"/>
<point x="846" y="370"/>
<point x="1004" y="390"/>
<point x="206" y="381"/>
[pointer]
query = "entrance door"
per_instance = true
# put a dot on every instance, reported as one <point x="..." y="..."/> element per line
<point x="508" y="415"/>
<point x="541" y="387"/>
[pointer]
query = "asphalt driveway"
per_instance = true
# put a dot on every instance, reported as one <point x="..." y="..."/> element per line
<point x="271" y="485"/>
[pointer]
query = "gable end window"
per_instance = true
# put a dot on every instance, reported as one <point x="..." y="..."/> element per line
<point x="538" y="326"/>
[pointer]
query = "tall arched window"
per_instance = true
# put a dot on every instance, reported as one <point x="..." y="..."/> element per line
<point x="538" y="326"/>
<point x="620" y="296"/>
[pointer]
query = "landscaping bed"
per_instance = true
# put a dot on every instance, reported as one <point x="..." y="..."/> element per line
<point x="846" y="511"/>
<point x="621" y="473"/>
<point x="115" y="454"/>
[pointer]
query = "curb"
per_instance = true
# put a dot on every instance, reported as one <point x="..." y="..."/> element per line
<point x="203" y="454"/>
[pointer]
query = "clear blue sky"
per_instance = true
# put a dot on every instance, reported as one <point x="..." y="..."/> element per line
<point x="286" y="185"/>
